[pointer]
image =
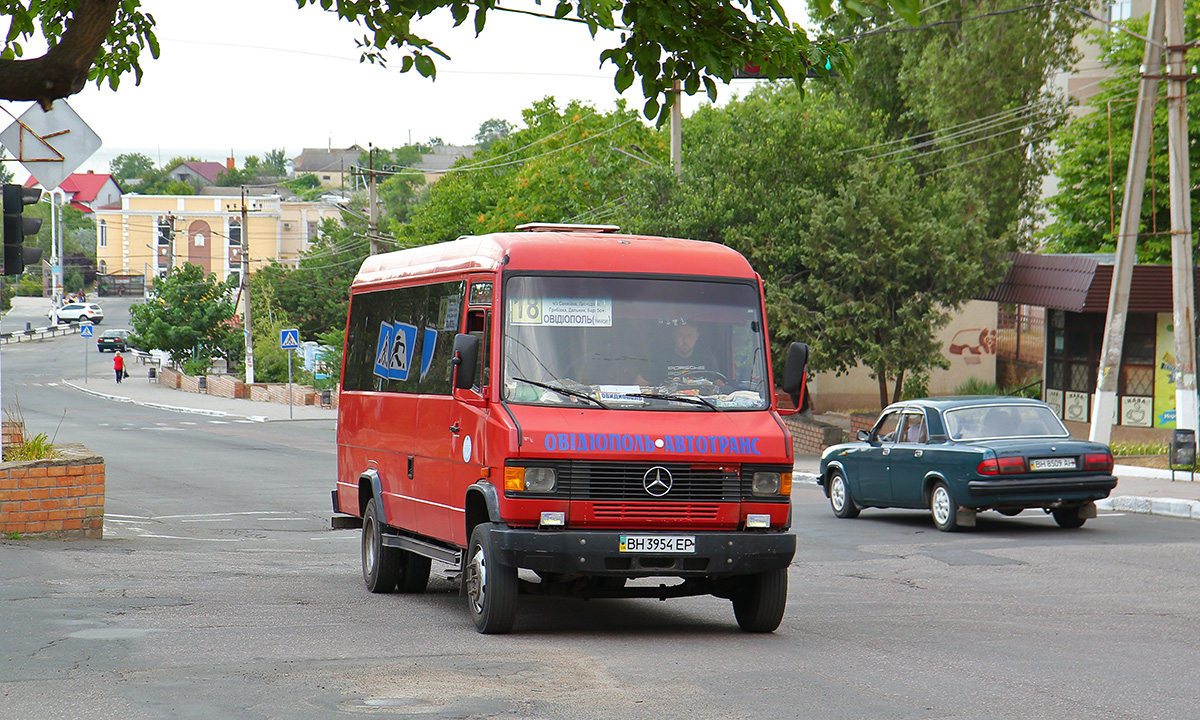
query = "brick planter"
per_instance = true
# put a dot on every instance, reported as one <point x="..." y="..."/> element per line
<point x="169" y="377"/>
<point x="227" y="386"/>
<point x="14" y="433"/>
<point x="63" y="497"/>
<point x="862" y="421"/>
<point x="811" y="437"/>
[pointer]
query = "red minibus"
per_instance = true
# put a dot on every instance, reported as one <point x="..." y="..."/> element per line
<point x="567" y="410"/>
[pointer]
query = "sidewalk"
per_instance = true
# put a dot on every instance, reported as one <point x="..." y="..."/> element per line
<point x="1139" y="489"/>
<point x="139" y="390"/>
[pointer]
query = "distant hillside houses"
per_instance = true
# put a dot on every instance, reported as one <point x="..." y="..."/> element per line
<point x="339" y="168"/>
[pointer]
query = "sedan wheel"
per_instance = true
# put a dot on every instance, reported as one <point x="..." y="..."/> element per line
<point x="839" y="497"/>
<point x="945" y="510"/>
<point x="1069" y="518"/>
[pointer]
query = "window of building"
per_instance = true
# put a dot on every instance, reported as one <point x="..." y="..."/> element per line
<point x="103" y="233"/>
<point x="1120" y="10"/>
<point x="235" y="231"/>
<point x="165" y="229"/>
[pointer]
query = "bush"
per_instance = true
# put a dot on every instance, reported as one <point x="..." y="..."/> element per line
<point x="196" y="366"/>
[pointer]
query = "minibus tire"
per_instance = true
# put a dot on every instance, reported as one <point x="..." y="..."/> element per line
<point x="759" y="605"/>
<point x="491" y="586"/>
<point x="381" y="565"/>
<point x="415" y="575"/>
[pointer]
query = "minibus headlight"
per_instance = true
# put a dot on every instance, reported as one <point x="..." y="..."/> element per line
<point x="766" y="483"/>
<point x="530" y="479"/>
<point x="540" y="479"/>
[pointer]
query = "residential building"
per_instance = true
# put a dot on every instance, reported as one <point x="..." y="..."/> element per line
<point x="199" y="174"/>
<point x="147" y="234"/>
<point x="333" y="168"/>
<point x="88" y="191"/>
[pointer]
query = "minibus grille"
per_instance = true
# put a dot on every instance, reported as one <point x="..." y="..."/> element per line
<point x="624" y="481"/>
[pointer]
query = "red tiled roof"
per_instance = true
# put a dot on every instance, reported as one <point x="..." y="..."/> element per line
<point x="80" y="187"/>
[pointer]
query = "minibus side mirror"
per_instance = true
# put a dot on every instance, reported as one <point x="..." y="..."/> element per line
<point x="795" y="370"/>
<point x="466" y="358"/>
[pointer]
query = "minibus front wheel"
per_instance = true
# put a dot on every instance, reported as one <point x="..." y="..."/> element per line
<point x="760" y="602"/>
<point x="381" y="565"/>
<point x="491" y="585"/>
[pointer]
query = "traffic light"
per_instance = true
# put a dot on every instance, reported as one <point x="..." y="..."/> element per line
<point x="17" y="227"/>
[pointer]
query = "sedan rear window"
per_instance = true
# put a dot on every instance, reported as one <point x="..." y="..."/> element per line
<point x="1003" y="421"/>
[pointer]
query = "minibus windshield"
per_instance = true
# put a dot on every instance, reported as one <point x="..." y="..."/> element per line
<point x="691" y="345"/>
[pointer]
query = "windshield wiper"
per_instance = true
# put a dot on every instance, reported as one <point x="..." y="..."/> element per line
<point x="563" y="391"/>
<point x="690" y="399"/>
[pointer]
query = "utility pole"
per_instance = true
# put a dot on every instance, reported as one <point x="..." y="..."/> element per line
<point x="1104" y="402"/>
<point x="1187" y="412"/>
<point x="245" y="286"/>
<point x="373" y="211"/>
<point x="677" y="129"/>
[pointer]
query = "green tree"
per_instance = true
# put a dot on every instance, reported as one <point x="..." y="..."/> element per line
<point x="859" y="258"/>
<point x="271" y="361"/>
<point x="275" y="162"/>
<point x="130" y="165"/>
<point x="6" y="175"/>
<point x="492" y="130"/>
<point x="187" y="314"/>
<point x="566" y="165"/>
<point x="315" y="296"/>
<point x="968" y="98"/>
<point x="1094" y="155"/>
<point x="661" y="41"/>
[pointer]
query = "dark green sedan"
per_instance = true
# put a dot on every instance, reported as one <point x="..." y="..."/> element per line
<point x="957" y="456"/>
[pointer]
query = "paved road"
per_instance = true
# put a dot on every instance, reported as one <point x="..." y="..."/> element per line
<point x="219" y="592"/>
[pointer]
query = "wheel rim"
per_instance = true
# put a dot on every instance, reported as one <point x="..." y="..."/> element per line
<point x="941" y="505"/>
<point x="477" y="580"/>
<point x="370" y="547"/>
<point x="837" y="493"/>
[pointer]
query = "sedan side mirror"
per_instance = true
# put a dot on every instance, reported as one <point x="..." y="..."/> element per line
<point x="864" y="435"/>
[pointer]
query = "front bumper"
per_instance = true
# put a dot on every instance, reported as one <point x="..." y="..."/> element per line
<point x="1085" y="487"/>
<point x="597" y="553"/>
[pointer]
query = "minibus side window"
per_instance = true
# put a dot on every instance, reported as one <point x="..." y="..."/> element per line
<point x="478" y="322"/>
<point x="402" y="340"/>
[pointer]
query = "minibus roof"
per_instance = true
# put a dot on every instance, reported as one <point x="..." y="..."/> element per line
<point x="599" y="252"/>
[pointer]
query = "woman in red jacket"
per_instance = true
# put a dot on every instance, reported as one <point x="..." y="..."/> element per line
<point x="119" y="367"/>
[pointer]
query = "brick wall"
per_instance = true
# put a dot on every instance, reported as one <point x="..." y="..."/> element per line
<point x="811" y="437"/>
<point x="63" y="497"/>
<point x="169" y="377"/>
<point x="862" y="421"/>
<point x="14" y="433"/>
<point x="228" y="386"/>
<point x="189" y="383"/>
<point x="301" y="394"/>
<point x="260" y="392"/>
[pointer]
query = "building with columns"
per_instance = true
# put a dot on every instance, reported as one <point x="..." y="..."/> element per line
<point x="148" y="234"/>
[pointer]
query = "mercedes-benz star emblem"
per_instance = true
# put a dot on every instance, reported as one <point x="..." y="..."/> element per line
<point x="658" y="481"/>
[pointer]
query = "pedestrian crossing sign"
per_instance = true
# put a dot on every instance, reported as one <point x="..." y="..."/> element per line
<point x="85" y="330"/>
<point x="289" y="339"/>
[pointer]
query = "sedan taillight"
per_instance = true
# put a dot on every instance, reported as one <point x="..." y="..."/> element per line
<point x="1102" y="461"/>
<point x="1002" y="466"/>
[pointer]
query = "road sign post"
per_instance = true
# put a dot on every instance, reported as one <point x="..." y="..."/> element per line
<point x="289" y="340"/>
<point x="86" y="331"/>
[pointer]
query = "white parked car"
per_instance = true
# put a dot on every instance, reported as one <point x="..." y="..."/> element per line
<point x="79" y="312"/>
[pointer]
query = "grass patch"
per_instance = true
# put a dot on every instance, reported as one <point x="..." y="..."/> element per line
<point x="1129" y="448"/>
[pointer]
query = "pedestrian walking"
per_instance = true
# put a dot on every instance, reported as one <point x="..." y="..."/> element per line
<point x="119" y="367"/>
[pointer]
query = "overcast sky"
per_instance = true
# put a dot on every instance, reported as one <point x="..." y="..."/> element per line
<point x="249" y="76"/>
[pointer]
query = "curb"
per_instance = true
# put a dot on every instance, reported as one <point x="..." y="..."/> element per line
<point x="1167" y="507"/>
<point x="161" y="406"/>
